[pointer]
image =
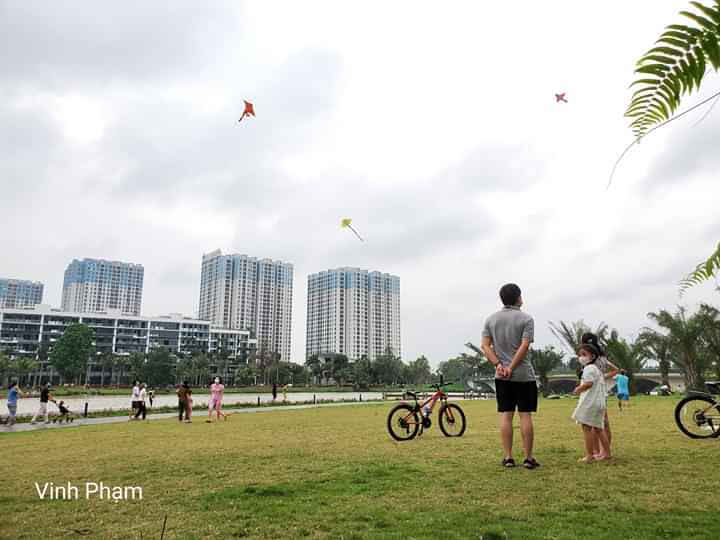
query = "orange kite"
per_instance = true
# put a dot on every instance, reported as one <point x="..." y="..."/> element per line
<point x="249" y="110"/>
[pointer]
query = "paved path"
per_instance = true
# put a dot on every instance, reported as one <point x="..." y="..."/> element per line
<point x="200" y="416"/>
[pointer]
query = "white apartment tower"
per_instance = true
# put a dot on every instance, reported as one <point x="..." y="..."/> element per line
<point x="246" y="293"/>
<point x="353" y="312"/>
<point x="96" y="285"/>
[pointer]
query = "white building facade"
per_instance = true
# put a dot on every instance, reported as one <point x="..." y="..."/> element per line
<point x="353" y="312"/>
<point x="97" y="285"/>
<point x="246" y="293"/>
<point x="19" y="293"/>
<point x="33" y="332"/>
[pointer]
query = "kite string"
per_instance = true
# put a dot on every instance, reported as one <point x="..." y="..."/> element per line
<point x="666" y="122"/>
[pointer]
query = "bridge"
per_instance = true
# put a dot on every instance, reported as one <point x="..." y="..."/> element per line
<point x="644" y="382"/>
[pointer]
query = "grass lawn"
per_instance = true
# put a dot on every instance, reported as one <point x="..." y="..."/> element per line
<point x="335" y="473"/>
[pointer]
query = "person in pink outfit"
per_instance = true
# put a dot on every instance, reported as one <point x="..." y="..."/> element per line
<point x="217" y="390"/>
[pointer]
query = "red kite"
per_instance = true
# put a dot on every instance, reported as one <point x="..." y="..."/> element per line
<point x="249" y="110"/>
<point x="558" y="98"/>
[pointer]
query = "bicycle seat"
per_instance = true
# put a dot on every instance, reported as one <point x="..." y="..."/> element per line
<point x="411" y="394"/>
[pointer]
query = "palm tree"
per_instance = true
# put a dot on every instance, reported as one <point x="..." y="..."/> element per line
<point x="544" y="361"/>
<point x="684" y="336"/>
<point x="570" y="335"/>
<point x="709" y="317"/>
<point x="23" y="366"/>
<point x="677" y="66"/>
<point x="627" y="356"/>
<point x="657" y="347"/>
<point x="5" y="367"/>
<point x="107" y="363"/>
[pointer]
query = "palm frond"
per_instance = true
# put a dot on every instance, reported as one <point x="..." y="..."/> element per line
<point x="703" y="272"/>
<point x="677" y="65"/>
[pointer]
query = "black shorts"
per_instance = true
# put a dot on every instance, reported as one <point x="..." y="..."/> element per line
<point x="513" y="394"/>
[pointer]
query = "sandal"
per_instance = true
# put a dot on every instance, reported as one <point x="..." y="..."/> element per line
<point x="508" y="463"/>
<point x="531" y="464"/>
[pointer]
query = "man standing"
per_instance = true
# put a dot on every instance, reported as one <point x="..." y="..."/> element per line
<point x="44" y="398"/>
<point x="506" y="339"/>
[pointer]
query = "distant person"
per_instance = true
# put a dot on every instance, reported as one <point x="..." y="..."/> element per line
<point x="623" y="388"/>
<point x="182" y="399"/>
<point x="142" y="396"/>
<point x="217" y="389"/>
<point x="45" y="396"/>
<point x="151" y="395"/>
<point x="65" y="414"/>
<point x="188" y="403"/>
<point x="284" y="390"/>
<point x="13" y="393"/>
<point x="590" y="410"/>
<point x="274" y="391"/>
<point x="506" y="339"/>
<point x="609" y="370"/>
<point x="135" y="399"/>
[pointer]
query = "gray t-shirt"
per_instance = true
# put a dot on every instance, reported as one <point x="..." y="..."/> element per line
<point x="507" y="328"/>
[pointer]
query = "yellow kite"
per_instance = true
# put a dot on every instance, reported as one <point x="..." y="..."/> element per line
<point x="346" y="223"/>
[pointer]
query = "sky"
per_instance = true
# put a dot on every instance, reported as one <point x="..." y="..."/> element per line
<point x="433" y="126"/>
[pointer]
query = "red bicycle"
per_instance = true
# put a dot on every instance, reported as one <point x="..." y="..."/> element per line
<point x="406" y="419"/>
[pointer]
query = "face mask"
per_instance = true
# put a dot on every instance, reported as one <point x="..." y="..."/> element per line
<point x="584" y="360"/>
<point x="217" y="380"/>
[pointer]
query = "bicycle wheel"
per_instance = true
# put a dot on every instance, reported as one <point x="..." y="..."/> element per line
<point x="698" y="417"/>
<point x="403" y="422"/>
<point x="452" y="420"/>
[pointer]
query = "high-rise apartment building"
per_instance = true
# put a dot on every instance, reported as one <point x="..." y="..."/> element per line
<point x="96" y="285"/>
<point x="17" y="293"/>
<point x="246" y="293"/>
<point x="353" y="312"/>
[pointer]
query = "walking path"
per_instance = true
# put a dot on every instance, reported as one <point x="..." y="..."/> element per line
<point x="80" y="421"/>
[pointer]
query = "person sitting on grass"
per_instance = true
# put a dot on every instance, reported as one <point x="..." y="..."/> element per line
<point x="590" y="410"/>
<point x="623" y="390"/>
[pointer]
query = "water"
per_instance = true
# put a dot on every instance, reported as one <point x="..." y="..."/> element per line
<point x="99" y="403"/>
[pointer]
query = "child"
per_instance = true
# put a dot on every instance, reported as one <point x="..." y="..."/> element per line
<point x="623" y="390"/>
<point x="13" y="393"/>
<point x="609" y="370"/>
<point x="590" y="410"/>
<point x="216" y="390"/>
<point x="65" y="414"/>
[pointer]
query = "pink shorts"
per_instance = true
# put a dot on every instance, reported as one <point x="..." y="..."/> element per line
<point x="215" y="404"/>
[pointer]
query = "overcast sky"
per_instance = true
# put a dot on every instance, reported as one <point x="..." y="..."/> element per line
<point x="432" y="125"/>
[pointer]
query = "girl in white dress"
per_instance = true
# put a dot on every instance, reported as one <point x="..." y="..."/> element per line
<point x="590" y="410"/>
<point x="609" y="370"/>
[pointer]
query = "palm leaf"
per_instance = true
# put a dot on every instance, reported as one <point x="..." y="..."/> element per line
<point x="679" y="62"/>
<point x="703" y="272"/>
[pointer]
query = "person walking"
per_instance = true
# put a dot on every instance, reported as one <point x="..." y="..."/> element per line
<point x="217" y="389"/>
<point x="182" y="399"/>
<point x="45" y="396"/>
<point x="135" y="400"/>
<point x="623" y="389"/>
<point x="13" y="393"/>
<point x="142" y="396"/>
<point x="274" y="391"/>
<point x="507" y="335"/>
<point x="151" y="396"/>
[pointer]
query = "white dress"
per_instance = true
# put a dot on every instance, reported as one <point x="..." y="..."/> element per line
<point x="591" y="406"/>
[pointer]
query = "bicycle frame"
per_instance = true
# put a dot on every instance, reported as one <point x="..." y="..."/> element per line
<point x="438" y="395"/>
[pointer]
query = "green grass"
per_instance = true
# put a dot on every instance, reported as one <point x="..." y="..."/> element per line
<point x="335" y="473"/>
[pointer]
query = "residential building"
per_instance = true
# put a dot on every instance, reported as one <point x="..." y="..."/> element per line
<point x="353" y="312"/>
<point x="96" y="285"/>
<point x="18" y="293"/>
<point x="246" y="293"/>
<point x="33" y="332"/>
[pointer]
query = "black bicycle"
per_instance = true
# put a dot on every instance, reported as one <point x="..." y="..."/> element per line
<point x="698" y="414"/>
<point x="405" y="420"/>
